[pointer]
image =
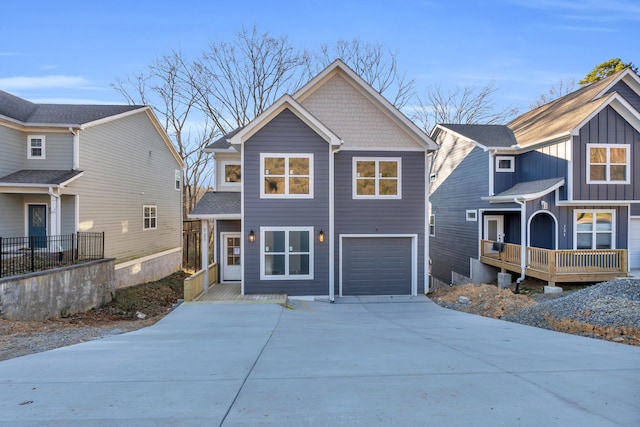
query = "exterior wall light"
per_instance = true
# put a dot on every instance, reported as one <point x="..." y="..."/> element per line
<point x="252" y="236"/>
<point x="321" y="236"/>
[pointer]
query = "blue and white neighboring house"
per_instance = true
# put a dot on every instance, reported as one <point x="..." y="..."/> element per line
<point x="323" y="194"/>
<point x="93" y="168"/>
<point x="563" y="177"/>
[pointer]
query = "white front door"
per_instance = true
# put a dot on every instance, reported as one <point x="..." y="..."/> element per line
<point x="494" y="228"/>
<point x="231" y="268"/>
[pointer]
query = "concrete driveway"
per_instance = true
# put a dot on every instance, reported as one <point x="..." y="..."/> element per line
<point x="386" y="361"/>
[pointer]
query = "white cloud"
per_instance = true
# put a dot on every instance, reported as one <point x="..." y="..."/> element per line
<point x="45" y="82"/>
<point x="595" y="10"/>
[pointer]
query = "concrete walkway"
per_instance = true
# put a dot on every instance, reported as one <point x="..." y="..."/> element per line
<point x="369" y="362"/>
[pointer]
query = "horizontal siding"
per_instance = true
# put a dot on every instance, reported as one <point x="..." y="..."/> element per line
<point x="370" y="216"/>
<point x="12" y="213"/>
<point x="286" y="133"/>
<point x="68" y="215"/>
<point x="14" y="150"/>
<point x="127" y="165"/>
<point x="58" y="151"/>
<point x="462" y="173"/>
<point x="608" y="127"/>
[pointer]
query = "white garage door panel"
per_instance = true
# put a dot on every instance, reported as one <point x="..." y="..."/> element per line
<point x="634" y="244"/>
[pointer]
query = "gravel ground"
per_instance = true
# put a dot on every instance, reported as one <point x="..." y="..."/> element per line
<point x="610" y="304"/>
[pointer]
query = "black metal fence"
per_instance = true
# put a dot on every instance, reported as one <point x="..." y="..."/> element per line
<point x="21" y="255"/>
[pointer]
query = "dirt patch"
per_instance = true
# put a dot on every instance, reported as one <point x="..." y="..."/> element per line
<point x="131" y="308"/>
<point x="485" y="300"/>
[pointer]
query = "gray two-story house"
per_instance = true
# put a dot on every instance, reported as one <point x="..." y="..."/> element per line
<point x="93" y="168"/>
<point x="323" y="194"/>
<point x="554" y="194"/>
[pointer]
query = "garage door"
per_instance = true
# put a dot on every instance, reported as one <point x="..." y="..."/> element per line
<point x="376" y="266"/>
<point x="634" y="244"/>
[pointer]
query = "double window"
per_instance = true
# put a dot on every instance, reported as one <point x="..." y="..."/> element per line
<point x="149" y="217"/>
<point x="286" y="253"/>
<point x="377" y="178"/>
<point x="286" y="175"/>
<point x="594" y="229"/>
<point x="35" y="147"/>
<point x="608" y="164"/>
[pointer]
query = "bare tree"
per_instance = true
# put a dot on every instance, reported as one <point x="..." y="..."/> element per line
<point x="469" y="105"/>
<point x="556" y="91"/>
<point x="167" y="88"/>
<point x="375" y="64"/>
<point x="238" y="80"/>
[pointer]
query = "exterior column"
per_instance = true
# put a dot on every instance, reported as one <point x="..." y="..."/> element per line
<point x="204" y="249"/>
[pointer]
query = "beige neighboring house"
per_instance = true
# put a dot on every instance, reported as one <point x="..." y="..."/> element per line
<point x="93" y="168"/>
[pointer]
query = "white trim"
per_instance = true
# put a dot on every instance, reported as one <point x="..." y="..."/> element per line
<point x="512" y="163"/>
<point x="242" y="227"/>
<point x="42" y="148"/>
<point x="287" y="253"/>
<point x="329" y="238"/>
<point x="471" y="215"/>
<point x="223" y="175"/>
<point x="542" y="211"/>
<point x="570" y="172"/>
<point x="285" y="102"/>
<point x="607" y="180"/>
<point x="155" y="227"/>
<point x="223" y="254"/>
<point x="26" y="216"/>
<point x="594" y="231"/>
<point x="491" y="173"/>
<point x="427" y="190"/>
<point x="76" y="224"/>
<point x="429" y="224"/>
<point x="499" y="228"/>
<point x="627" y="73"/>
<point x="286" y="175"/>
<point x="214" y="216"/>
<point x="525" y="197"/>
<point x="146" y="258"/>
<point x="177" y="179"/>
<point x="389" y="149"/>
<point x="376" y="177"/>
<point x="414" y="255"/>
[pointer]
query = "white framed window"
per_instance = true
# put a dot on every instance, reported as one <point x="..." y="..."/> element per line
<point x="432" y="225"/>
<point x="149" y="217"/>
<point x="505" y="164"/>
<point x="286" y="176"/>
<point x="377" y="178"/>
<point x="472" y="215"/>
<point x="36" y="147"/>
<point x="231" y="172"/>
<point x="608" y="163"/>
<point x="286" y="253"/>
<point x="178" y="179"/>
<point x="594" y="229"/>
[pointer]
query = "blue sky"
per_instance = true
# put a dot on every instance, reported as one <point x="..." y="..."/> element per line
<point x="71" y="51"/>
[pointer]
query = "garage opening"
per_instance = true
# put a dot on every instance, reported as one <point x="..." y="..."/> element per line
<point x="377" y="265"/>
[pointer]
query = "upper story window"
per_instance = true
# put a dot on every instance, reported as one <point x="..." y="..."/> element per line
<point x="594" y="229"/>
<point x="377" y="178"/>
<point x="35" y="147"/>
<point x="432" y="225"/>
<point x="286" y="253"/>
<point x="286" y="176"/>
<point x="178" y="179"/>
<point x="232" y="173"/>
<point x="608" y="163"/>
<point x="505" y="164"/>
<point x="149" y="217"/>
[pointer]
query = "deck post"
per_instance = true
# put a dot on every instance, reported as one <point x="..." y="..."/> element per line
<point x="624" y="262"/>
<point x="552" y="268"/>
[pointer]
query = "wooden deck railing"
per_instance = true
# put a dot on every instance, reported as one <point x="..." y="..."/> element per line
<point x="557" y="265"/>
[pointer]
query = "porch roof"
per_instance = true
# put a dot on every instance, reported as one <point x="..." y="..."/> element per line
<point x="40" y="178"/>
<point x="218" y="205"/>
<point x="528" y="190"/>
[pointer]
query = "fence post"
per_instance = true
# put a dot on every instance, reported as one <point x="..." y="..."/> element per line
<point x="102" y="255"/>
<point x="1" y="266"/>
<point x="32" y="246"/>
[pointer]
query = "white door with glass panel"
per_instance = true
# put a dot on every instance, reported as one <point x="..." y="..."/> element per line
<point x="231" y="268"/>
<point x="494" y="228"/>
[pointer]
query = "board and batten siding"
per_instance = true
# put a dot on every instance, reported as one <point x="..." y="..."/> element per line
<point x="627" y="93"/>
<point x="286" y="133"/>
<point x="127" y="165"/>
<point x="607" y="127"/>
<point x="380" y="216"/>
<point x="462" y="178"/>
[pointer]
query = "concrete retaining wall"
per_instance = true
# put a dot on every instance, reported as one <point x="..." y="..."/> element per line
<point x="148" y="269"/>
<point x="58" y="292"/>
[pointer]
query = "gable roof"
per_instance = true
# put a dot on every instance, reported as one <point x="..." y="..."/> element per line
<point x="485" y="135"/>
<point x="285" y="102"/>
<point x="338" y="66"/>
<point x="32" y="114"/>
<point x="563" y="116"/>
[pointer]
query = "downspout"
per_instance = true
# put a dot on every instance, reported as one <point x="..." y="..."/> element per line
<point x="55" y="217"/>
<point x="76" y="148"/>
<point x="331" y="242"/>
<point x="523" y="242"/>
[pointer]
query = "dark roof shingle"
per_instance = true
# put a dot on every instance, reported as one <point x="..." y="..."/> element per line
<point x="218" y="203"/>
<point x="42" y="177"/>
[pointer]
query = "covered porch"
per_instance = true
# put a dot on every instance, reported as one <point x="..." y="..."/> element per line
<point x="556" y="266"/>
